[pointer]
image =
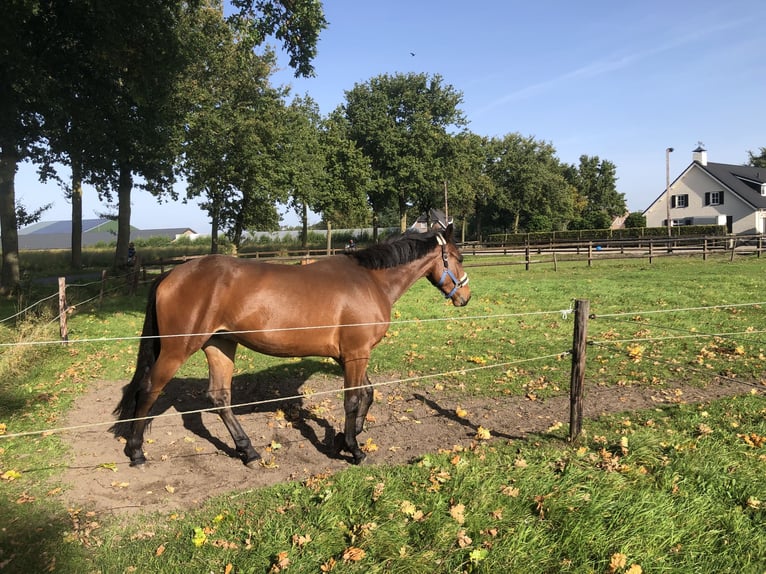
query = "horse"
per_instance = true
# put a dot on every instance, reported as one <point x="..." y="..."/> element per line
<point x="338" y="307"/>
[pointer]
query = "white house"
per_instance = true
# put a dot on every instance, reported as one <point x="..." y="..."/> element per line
<point x="713" y="193"/>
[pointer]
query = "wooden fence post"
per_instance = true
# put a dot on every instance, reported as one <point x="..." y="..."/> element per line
<point x="526" y="257"/>
<point x="579" y="340"/>
<point x="63" y="310"/>
<point x="103" y="284"/>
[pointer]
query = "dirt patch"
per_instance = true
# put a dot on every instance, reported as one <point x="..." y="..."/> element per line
<point x="191" y="456"/>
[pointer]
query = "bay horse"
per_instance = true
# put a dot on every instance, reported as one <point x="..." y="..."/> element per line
<point x="337" y="307"/>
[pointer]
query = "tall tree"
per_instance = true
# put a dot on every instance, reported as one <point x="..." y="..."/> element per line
<point x="531" y="192"/>
<point x="21" y="85"/>
<point x="232" y="130"/>
<point x="342" y="199"/>
<point x="303" y="158"/>
<point x="402" y="123"/>
<point x="596" y="184"/>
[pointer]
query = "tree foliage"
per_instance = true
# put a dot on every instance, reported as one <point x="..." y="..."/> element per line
<point x="232" y="129"/>
<point x="401" y="123"/>
<point x="759" y="159"/>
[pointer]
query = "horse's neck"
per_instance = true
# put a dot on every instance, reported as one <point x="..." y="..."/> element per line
<point x="396" y="281"/>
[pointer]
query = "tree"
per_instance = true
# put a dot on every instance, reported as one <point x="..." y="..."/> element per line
<point x="21" y="85"/>
<point x="342" y="199"/>
<point x="635" y="219"/>
<point x="401" y="123"/>
<point x="758" y="160"/>
<point x="469" y="185"/>
<point x="596" y="184"/>
<point x="232" y="129"/>
<point x="303" y="158"/>
<point x="529" y="184"/>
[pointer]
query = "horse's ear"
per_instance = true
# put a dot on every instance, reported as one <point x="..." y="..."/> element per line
<point x="448" y="232"/>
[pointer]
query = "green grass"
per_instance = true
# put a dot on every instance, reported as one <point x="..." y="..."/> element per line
<point x="677" y="489"/>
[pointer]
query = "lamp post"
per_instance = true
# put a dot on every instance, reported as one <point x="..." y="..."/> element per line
<point x="668" y="151"/>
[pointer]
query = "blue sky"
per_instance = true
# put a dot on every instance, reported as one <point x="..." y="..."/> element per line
<point x="618" y="80"/>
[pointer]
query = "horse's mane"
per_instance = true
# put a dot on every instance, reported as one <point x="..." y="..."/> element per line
<point x="397" y="250"/>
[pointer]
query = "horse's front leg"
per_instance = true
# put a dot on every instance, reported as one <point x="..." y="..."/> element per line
<point x="357" y="400"/>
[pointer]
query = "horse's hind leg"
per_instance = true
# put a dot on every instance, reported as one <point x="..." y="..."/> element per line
<point x="151" y="387"/>
<point x="220" y="357"/>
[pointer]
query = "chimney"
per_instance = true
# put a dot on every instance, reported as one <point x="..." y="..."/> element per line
<point x="700" y="155"/>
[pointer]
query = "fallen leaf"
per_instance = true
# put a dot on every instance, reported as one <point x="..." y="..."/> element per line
<point x="457" y="512"/>
<point x="229" y="567"/>
<point x="10" y="475"/>
<point x="369" y="446"/>
<point x="199" y="537"/>
<point x="328" y="566"/>
<point x="280" y="563"/>
<point x="300" y="541"/>
<point x="353" y="554"/>
<point x="170" y="489"/>
<point x="461" y="412"/>
<point x="463" y="540"/>
<point x="160" y="550"/>
<point x="483" y="434"/>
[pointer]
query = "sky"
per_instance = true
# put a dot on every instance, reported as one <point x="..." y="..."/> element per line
<point x="619" y="80"/>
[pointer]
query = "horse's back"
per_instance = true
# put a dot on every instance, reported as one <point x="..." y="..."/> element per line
<point x="270" y="306"/>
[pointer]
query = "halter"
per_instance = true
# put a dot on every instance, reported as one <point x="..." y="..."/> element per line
<point x="448" y="272"/>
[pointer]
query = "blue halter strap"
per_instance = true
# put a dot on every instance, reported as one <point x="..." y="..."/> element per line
<point x="458" y="283"/>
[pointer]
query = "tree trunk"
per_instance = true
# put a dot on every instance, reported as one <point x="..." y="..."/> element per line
<point x="76" y="215"/>
<point x="9" y="275"/>
<point x="375" y="220"/>
<point x="304" y="226"/>
<point x="125" y="186"/>
<point x="402" y="214"/>
<point x="215" y="216"/>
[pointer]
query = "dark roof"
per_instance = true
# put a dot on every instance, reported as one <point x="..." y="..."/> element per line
<point x="744" y="180"/>
<point x="53" y="227"/>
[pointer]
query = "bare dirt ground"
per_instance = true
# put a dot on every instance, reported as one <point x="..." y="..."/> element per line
<point x="191" y="456"/>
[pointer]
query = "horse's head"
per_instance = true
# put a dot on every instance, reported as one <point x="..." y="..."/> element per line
<point x="447" y="272"/>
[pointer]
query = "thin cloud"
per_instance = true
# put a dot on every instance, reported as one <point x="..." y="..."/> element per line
<point x="607" y="66"/>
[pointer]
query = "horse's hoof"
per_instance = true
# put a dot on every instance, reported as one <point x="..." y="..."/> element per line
<point x="139" y="463"/>
<point x="358" y="458"/>
<point x="253" y="462"/>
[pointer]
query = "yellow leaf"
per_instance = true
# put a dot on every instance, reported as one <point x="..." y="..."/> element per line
<point x="369" y="446"/>
<point x="461" y="412"/>
<point x="3" y="428"/>
<point x="617" y="562"/>
<point x="407" y="508"/>
<point x="10" y="475"/>
<point x="199" y="537"/>
<point x="160" y="550"/>
<point x="634" y="569"/>
<point x="170" y="489"/>
<point x="483" y="434"/>
<point x="229" y="567"/>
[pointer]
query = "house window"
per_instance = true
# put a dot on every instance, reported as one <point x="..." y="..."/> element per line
<point x="714" y="198"/>
<point x="679" y="200"/>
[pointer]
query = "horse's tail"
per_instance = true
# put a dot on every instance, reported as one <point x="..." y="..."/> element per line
<point x="148" y="351"/>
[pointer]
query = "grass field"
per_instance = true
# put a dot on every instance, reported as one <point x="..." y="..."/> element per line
<point x="676" y="489"/>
